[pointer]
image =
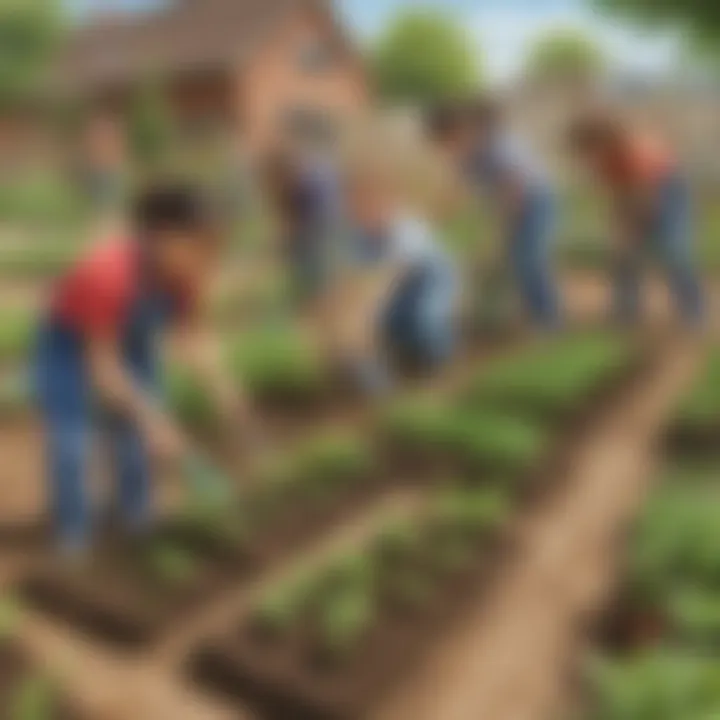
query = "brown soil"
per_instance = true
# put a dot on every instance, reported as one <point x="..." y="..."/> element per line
<point x="513" y="660"/>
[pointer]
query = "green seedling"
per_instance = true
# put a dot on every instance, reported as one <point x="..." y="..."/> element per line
<point x="171" y="565"/>
<point x="696" y="616"/>
<point x="282" y="604"/>
<point x="662" y="685"/>
<point x="399" y="541"/>
<point x="278" y="363"/>
<point x="190" y="402"/>
<point x="345" y="620"/>
<point x="472" y="510"/>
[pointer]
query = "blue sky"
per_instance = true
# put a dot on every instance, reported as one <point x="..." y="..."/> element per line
<point x="503" y="29"/>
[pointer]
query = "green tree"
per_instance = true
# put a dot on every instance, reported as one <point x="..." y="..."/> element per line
<point x="29" y="33"/>
<point x="701" y="18"/>
<point x="565" y="54"/>
<point x="425" y="56"/>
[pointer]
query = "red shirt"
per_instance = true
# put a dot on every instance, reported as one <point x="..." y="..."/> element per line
<point x="641" y="161"/>
<point x="97" y="295"/>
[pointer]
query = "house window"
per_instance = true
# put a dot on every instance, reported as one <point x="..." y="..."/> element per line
<point x="316" y="56"/>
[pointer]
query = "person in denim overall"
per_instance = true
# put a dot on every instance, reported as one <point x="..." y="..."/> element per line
<point x="122" y="296"/>
<point x="652" y="209"/>
<point x="415" y="321"/>
<point x="496" y="164"/>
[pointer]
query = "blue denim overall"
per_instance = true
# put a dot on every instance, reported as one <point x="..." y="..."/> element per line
<point x="417" y="323"/>
<point x="72" y="416"/>
<point x="670" y="241"/>
<point x="530" y="254"/>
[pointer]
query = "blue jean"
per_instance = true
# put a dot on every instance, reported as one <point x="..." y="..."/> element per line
<point x="530" y="249"/>
<point x="71" y="420"/>
<point x="670" y="241"/>
<point x="418" y="323"/>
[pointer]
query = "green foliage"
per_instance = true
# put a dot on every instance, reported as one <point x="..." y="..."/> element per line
<point x="565" y="54"/>
<point x="35" y="262"/>
<point x="29" y="33"/>
<point x="424" y="57"/>
<point x="485" y="441"/>
<point x="40" y="200"/>
<point x="189" y="401"/>
<point x="695" y="616"/>
<point x="700" y="17"/>
<point x="700" y="409"/>
<point x="278" y="363"/>
<point x="552" y="381"/>
<point x="170" y="565"/>
<point x="16" y="334"/>
<point x="676" y="543"/>
<point x="663" y="685"/>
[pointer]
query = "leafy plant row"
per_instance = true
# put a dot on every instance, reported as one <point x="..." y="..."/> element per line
<point x="402" y="568"/>
<point x="327" y="637"/>
<point x="662" y="660"/>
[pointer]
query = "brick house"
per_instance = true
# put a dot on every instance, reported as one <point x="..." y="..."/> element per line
<point x="256" y="67"/>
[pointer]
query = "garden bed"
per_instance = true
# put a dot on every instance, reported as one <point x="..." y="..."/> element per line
<point x="512" y="421"/>
<point x="325" y="644"/>
<point x="131" y="595"/>
<point x="659" y="641"/>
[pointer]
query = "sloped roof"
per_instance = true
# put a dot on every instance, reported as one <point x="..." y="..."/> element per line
<point x="187" y="36"/>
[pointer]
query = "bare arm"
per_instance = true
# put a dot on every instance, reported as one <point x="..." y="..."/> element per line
<point x="122" y="394"/>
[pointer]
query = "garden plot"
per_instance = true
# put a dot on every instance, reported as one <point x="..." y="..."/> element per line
<point x="281" y="673"/>
<point x="132" y="596"/>
<point x="661" y="641"/>
<point x="323" y="644"/>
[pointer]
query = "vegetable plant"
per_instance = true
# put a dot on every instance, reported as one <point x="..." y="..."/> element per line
<point x="278" y="363"/>
<point x="190" y="402"/>
<point x="662" y="685"/>
<point x="553" y="380"/>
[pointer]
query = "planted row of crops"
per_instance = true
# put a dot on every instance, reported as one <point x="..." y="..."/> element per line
<point x="322" y="644"/>
<point x="131" y="595"/>
<point x="660" y="643"/>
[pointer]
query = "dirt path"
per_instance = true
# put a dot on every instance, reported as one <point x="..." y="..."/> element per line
<point x="512" y="660"/>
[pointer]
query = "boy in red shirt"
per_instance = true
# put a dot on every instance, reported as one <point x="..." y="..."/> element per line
<point x="97" y="366"/>
<point x="651" y="207"/>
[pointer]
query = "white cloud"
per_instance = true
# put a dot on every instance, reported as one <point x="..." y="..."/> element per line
<point x="506" y="33"/>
